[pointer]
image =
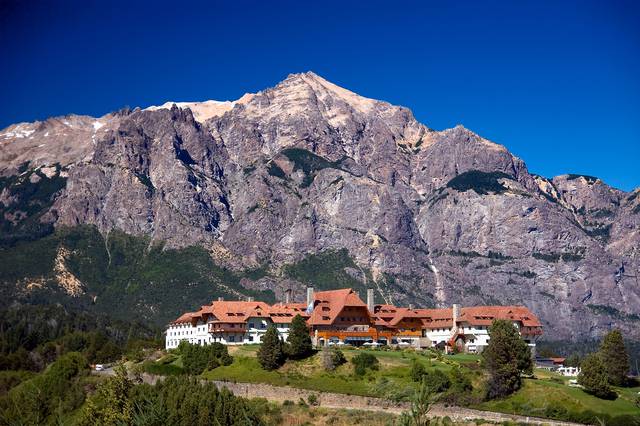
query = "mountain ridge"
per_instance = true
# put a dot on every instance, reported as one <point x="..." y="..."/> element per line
<point x="306" y="167"/>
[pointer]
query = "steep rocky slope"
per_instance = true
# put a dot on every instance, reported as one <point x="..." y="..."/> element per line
<point x="307" y="177"/>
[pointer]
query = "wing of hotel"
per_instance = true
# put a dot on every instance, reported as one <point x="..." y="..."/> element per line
<point x="338" y="317"/>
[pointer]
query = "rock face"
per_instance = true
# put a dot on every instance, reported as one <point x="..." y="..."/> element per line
<point x="305" y="167"/>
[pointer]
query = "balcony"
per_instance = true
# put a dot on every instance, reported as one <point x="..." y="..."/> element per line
<point x="227" y="328"/>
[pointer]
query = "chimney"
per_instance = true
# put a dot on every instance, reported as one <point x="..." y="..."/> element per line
<point x="220" y="298"/>
<point x="456" y="314"/>
<point x="411" y="306"/>
<point x="287" y="296"/>
<point x="249" y="298"/>
<point x="370" y="305"/>
<point x="309" y="295"/>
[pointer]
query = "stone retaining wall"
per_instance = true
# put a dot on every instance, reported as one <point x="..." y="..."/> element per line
<point x="354" y="402"/>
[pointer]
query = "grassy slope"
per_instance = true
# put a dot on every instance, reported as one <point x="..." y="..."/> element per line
<point x="535" y="398"/>
<point x="539" y="395"/>
<point x="391" y="380"/>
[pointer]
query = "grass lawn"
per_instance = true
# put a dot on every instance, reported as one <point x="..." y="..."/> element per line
<point x="539" y="397"/>
<point x="391" y="380"/>
<point x="546" y="396"/>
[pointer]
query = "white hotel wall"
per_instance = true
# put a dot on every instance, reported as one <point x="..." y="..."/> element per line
<point x="199" y="335"/>
<point x="179" y="332"/>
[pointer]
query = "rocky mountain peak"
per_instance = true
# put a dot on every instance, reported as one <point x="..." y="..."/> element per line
<point x="307" y="168"/>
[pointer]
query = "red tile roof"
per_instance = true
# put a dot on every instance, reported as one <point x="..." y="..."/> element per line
<point x="285" y="313"/>
<point x="484" y="315"/>
<point x="329" y="304"/>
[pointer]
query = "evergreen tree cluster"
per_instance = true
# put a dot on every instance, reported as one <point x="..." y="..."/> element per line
<point x="174" y="401"/>
<point x="605" y="368"/>
<point x="47" y="397"/>
<point x="454" y="386"/>
<point x="196" y="358"/>
<point x="506" y="358"/>
<point x="274" y="352"/>
<point x="32" y="336"/>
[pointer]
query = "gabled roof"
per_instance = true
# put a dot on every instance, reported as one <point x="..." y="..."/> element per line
<point x="237" y="311"/>
<point x="282" y="313"/>
<point x="436" y="318"/>
<point x="485" y="315"/>
<point x="185" y="318"/>
<point x="391" y="316"/>
<point x="227" y="311"/>
<point x="329" y="304"/>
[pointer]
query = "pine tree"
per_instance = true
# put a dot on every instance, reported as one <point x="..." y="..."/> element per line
<point x="506" y="357"/>
<point x="615" y="358"/>
<point x="593" y="376"/>
<point x="270" y="354"/>
<point x="299" y="340"/>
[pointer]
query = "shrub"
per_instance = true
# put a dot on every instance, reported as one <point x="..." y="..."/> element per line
<point x="364" y="361"/>
<point x="332" y="358"/>
<point x="459" y="382"/>
<point x="436" y="380"/>
<point x="417" y="371"/>
<point x="313" y="399"/>
<point x="338" y="358"/>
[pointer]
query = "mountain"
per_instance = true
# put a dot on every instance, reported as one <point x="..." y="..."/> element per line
<point x="147" y="212"/>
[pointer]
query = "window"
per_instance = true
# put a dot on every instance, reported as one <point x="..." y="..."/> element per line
<point x="251" y="325"/>
<point x="232" y="338"/>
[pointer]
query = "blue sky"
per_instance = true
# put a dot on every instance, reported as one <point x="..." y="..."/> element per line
<point x="558" y="83"/>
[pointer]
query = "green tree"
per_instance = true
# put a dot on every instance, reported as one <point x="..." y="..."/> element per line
<point x="506" y="357"/>
<point x="615" y="358"/>
<point x="573" y="360"/>
<point x="112" y="403"/>
<point x="196" y="358"/>
<point x="299" y="341"/>
<point x="271" y="355"/>
<point x="48" y="396"/>
<point x="593" y="376"/>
